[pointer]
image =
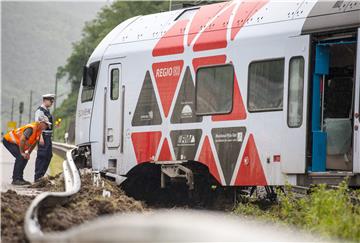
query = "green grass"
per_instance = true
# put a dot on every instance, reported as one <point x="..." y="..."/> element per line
<point x="56" y="165"/>
<point x="329" y="213"/>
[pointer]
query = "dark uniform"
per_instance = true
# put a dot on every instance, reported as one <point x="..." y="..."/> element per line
<point x="44" y="152"/>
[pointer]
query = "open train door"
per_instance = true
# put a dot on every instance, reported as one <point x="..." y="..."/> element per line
<point x="356" y="141"/>
<point x="295" y="115"/>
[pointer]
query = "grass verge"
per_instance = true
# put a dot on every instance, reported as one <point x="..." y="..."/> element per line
<point x="330" y="213"/>
<point x="56" y="165"/>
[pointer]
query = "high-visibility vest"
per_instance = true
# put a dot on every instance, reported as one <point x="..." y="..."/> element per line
<point x="15" y="135"/>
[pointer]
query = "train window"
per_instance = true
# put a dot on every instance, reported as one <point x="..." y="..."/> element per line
<point x="187" y="14"/>
<point x="90" y="74"/>
<point x="87" y="93"/>
<point x="114" y="94"/>
<point x="214" y="90"/>
<point x="266" y="85"/>
<point x="296" y="88"/>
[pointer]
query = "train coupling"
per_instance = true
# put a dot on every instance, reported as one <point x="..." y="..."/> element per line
<point x="174" y="170"/>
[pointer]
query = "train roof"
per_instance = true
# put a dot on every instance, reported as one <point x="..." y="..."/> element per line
<point x="211" y="21"/>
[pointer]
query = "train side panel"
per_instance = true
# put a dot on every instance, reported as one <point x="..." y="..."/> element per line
<point x="261" y="140"/>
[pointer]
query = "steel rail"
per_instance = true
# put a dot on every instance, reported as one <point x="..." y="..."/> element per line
<point x="49" y="199"/>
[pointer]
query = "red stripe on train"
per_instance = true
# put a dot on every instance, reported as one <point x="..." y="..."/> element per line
<point x="251" y="172"/>
<point x="167" y="75"/>
<point x="214" y="36"/>
<point x="172" y="42"/>
<point x="145" y="145"/>
<point x="207" y="157"/>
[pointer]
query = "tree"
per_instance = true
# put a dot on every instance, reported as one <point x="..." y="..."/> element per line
<point x="97" y="29"/>
<point x="94" y="31"/>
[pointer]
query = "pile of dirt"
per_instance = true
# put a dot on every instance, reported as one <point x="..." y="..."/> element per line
<point x="50" y="183"/>
<point x="13" y="209"/>
<point x="93" y="200"/>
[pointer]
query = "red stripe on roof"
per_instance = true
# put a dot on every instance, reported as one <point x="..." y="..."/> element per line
<point x="214" y="36"/>
<point x="173" y="40"/>
<point x="245" y="11"/>
<point x="202" y="17"/>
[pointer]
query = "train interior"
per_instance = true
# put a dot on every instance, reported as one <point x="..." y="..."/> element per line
<point x="337" y="54"/>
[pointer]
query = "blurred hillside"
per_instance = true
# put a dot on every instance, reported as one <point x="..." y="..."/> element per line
<point x="36" y="38"/>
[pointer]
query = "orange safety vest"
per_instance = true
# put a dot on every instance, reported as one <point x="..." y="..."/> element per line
<point x="15" y="135"/>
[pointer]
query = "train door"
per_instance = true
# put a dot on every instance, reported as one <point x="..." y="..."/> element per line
<point x="357" y="110"/>
<point x="113" y="107"/>
<point x="297" y="52"/>
<point x="334" y="103"/>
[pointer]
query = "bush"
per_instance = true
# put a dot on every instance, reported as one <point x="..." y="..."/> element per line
<point x="328" y="212"/>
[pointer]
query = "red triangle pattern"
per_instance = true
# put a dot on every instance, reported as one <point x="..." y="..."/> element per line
<point x="172" y="41"/>
<point x="245" y="11"/>
<point x="167" y="76"/>
<point x="207" y="61"/>
<point x="214" y="37"/>
<point x="165" y="153"/>
<point x="207" y="158"/>
<point x="251" y="172"/>
<point x="145" y="145"/>
<point x="238" y="112"/>
<point x="202" y="16"/>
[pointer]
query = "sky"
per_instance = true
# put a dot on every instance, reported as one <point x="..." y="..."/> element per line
<point x="36" y="38"/>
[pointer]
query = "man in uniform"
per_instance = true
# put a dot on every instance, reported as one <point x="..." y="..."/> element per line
<point x="20" y="142"/>
<point x="44" y="152"/>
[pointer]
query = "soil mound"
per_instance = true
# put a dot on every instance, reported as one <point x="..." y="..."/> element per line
<point x="13" y="209"/>
<point x="50" y="183"/>
<point x="92" y="201"/>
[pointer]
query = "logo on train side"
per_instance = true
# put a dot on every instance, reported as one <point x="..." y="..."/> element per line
<point x="186" y="140"/>
<point x="228" y="137"/>
<point x="185" y="143"/>
<point x="162" y="72"/>
<point x="184" y="110"/>
<point x="228" y="142"/>
<point x="147" y="109"/>
<point x="167" y="75"/>
<point x="84" y="113"/>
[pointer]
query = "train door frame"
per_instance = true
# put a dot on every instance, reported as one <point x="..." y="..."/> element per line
<point x="294" y="157"/>
<point x="113" y="132"/>
<point x="320" y="74"/>
<point x="356" y="136"/>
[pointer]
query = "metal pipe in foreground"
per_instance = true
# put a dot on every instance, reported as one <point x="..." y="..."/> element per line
<point x="48" y="199"/>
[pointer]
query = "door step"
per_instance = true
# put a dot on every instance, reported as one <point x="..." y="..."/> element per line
<point x="328" y="177"/>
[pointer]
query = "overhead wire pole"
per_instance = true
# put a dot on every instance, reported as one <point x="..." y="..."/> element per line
<point x="30" y="105"/>
<point x="56" y="83"/>
<point x="12" y="109"/>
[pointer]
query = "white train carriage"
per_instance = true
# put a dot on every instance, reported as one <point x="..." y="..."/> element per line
<point x="256" y="92"/>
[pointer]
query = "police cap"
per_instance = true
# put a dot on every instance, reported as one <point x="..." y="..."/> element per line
<point x="48" y="96"/>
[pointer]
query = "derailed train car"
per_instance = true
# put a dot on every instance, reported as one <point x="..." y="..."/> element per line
<point x="243" y="93"/>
